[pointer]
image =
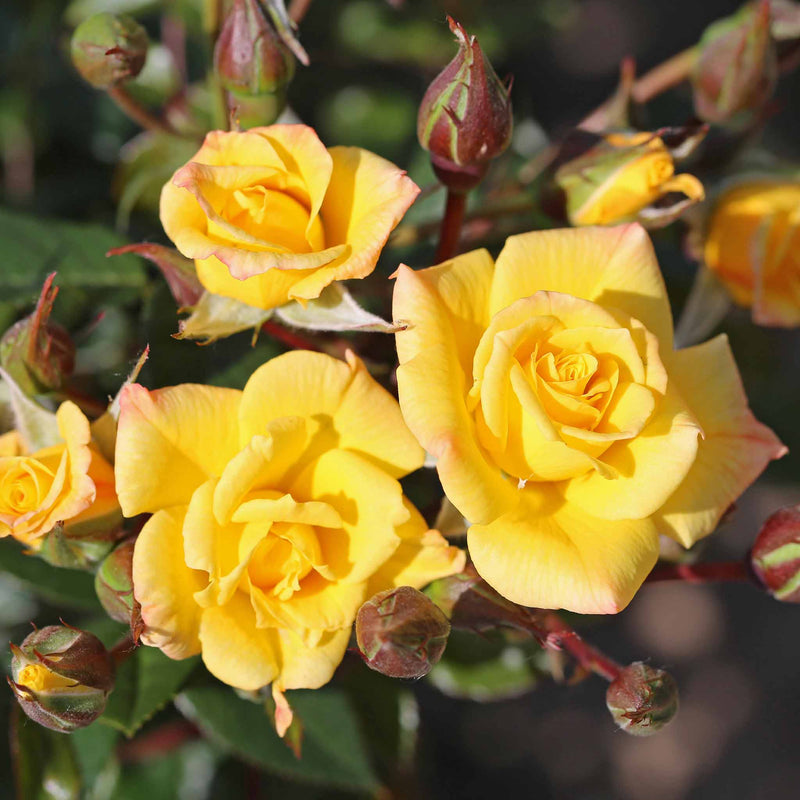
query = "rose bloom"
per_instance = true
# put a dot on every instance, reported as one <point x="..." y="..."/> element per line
<point x="69" y="482"/>
<point x="276" y="513"/>
<point x="565" y="428"/>
<point x="752" y="243"/>
<point x="621" y="178"/>
<point x="270" y="215"/>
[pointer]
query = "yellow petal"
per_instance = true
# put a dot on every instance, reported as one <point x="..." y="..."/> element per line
<point x="423" y="556"/>
<point x="649" y="467"/>
<point x="343" y="405"/>
<point x="370" y="504"/>
<point x="170" y="441"/>
<point x="614" y="267"/>
<point x="367" y="196"/>
<point x="433" y="386"/>
<point x="165" y="586"/>
<point x="235" y="650"/>
<point x="305" y="667"/>
<point x="550" y="554"/>
<point x="736" y="448"/>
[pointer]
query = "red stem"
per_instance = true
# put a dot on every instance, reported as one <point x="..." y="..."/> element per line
<point x="701" y="573"/>
<point x="123" y="649"/>
<point x="452" y="221"/>
<point x="156" y="743"/>
<point x="294" y="340"/>
<point x="138" y="113"/>
<point x="561" y="635"/>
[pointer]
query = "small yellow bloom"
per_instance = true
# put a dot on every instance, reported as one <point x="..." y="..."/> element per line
<point x="621" y="178"/>
<point x="69" y="482"/>
<point x="276" y="513"/>
<point x="753" y="244"/>
<point x="271" y="215"/>
<point x="565" y="427"/>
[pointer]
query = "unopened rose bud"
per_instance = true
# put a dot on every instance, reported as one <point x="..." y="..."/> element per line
<point x="401" y="633"/>
<point x="250" y="57"/>
<point x="465" y="117"/>
<point x="775" y="556"/>
<point x="108" y="49"/>
<point x="625" y="177"/>
<point x="114" y="586"/>
<point x="38" y="353"/>
<point x="61" y="677"/>
<point x="642" y="699"/>
<point x="737" y="68"/>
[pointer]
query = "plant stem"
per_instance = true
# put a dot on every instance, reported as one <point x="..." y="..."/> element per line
<point x="123" y="649"/>
<point x="298" y="9"/>
<point x="701" y="573"/>
<point x="137" y="112"/>
<point x="664" y="76"/>
<point x="560" y="635"/>
<point x="450" y="230"/>
<point x="295" y="341"/>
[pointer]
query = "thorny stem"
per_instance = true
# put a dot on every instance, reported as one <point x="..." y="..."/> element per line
<point x="138" y="113"/>
<point x="701" y="573"/>
<point x="294" y="340"/>
<point x="562" y="636"/>
<point x="450" y="231"/>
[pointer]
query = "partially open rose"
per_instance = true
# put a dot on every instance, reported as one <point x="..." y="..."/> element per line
<point x="270" y="215"/>
<point x="565" y="428"/>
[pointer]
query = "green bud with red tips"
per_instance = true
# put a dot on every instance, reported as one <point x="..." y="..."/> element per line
<point x="775" y="557"/>
<point x="114" y="586"/>
<point x="61" y="677"/>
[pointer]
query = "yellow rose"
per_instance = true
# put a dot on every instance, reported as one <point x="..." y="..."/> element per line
<point x="276" y="513"/>
<point x="69" y="482"/>
<point x="752" y="244"/>
<point x="621" y="178"/>
<point x="271" y="215"/>
<point x="565" y="428"/>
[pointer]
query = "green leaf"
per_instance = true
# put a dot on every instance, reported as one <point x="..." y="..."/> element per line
<point x="32" y="247"/>
<point x="94" y="746"/>
<point x="37" y="426"/>
<point x="334" y="310"/>
<point x="333" y="751"/>
<point x="215" y="317"/>
<point x="145" y="683"/>
<point x="46" y="767"/>
<point x="56" y="585"/>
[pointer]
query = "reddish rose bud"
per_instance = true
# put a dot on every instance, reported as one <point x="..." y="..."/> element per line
<point x="114" y="586"/>
<point x="642" y="699"/>
<point x="250" y="57"/>
<point x="38" y="353"/>
<point x="465" y="116"/>
<point x="401" y="633"/>
<point x="108" y="49"/>
<point x="737" y="69"/>
<point x="775" y="556"/>
<point x="61" y="677"/>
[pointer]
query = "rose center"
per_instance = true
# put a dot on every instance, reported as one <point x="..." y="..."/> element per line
<point x="284" y="557"/>
<point x="24" y="484"/>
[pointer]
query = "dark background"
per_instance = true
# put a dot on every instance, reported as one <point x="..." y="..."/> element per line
<point x="733" y="651"/>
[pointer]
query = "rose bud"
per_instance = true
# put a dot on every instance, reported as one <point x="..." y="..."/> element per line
<point x="736" y="69"/>
<point x="250" y="57"/>
<point x="642" y="699"/>
<point x="114" y="586"/>
<point x="775" y="556"/>
<point x="108" y="49"/>
<point x="625" y="177"/>
<point x="465" y="116"/>
<point x="61" y="677"/>
<point x="38" y="353"/>
<point x="401" y="633"/>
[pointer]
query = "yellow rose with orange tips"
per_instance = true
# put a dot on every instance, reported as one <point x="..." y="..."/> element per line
<point x="69" y="482"/>
<point x="564" y="426"/>
<point x="277" y="512"/>
<point x="752" y="243"/>
<point x="271" y="215"/>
